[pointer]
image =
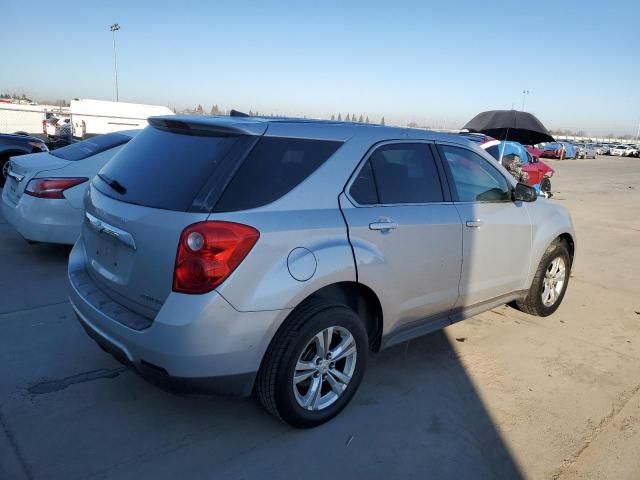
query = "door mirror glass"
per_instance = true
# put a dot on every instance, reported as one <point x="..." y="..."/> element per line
<point x="524" y="193"/>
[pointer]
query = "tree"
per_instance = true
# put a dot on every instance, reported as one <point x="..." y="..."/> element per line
<point x="339" y="117"/>
<point x="251" y="113"/>
<point x="361" y="119"/>
<point x="215" y="110"/>
<point x="333" y="117"/>
<point x="199" y="110"/>
<point x="367" y="120"/>
<point x="382" y="121"/>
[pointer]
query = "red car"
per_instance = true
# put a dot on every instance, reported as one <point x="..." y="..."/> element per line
<point x="539" y="172"/>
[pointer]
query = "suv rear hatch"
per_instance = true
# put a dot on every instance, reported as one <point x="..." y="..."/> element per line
<point x="166" y="178"/>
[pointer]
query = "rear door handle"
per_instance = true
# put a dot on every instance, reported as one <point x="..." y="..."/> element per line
<point x="383" y="226"/>
<point x="475" y="223"/>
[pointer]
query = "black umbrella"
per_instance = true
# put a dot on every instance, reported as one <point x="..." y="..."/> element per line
<point x="521" y="127"/>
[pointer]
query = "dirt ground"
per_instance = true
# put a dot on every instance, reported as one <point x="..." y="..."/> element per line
<point x="502" y="395"/>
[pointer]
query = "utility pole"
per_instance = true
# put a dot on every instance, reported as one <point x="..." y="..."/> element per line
<point x="524" y="92"/>
<point x="114" y="28"/>
<point x="638" y="133"/>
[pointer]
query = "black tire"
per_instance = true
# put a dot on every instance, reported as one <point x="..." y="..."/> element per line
<point x="545" y="184"/>
<point x="4" y="161"/>
<point x="532" y="303"/>
<point x="274" y="384"/>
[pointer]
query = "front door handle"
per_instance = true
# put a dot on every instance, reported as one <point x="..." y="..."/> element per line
<point x="475" y="223"/>
<point x="383" y="226"/>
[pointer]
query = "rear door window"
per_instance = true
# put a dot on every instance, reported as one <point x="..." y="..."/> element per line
<point x="90" y="147"/>
<point x="275" y="166"/>
<point x="402" y="173"/>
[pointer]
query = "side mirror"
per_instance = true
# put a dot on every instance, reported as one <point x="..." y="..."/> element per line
<point x="524" y="193"/>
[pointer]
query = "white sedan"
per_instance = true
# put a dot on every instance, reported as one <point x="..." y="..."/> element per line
<point x="42" y="198"/>
<point x="620" y="151"/>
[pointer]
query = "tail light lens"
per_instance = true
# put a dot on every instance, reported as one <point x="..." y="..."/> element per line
<point x="209" y="252"/>
<point x="51" y="187"/>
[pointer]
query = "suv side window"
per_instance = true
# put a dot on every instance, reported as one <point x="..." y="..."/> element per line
<point x="364" y="189"/>
<point x="275" y="166"/>
<point x="474" y="178"/>
<point x="399" y="173"/>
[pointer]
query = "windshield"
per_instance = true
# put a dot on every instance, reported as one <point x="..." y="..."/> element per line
<point x="90" y="147"/>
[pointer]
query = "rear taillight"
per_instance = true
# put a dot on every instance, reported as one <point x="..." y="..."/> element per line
<point x="51" y="187"/>
<point x="209" y="252"/>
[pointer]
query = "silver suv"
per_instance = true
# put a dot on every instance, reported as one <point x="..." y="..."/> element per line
<point x="274" y="256"/>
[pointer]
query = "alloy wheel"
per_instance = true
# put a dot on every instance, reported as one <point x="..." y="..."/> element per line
<point x="553" y="283"/>
<point x="325" y="368"/>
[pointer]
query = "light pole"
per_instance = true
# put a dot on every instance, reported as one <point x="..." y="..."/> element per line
<point x="114" y="28"/>
<point x="524" y="92"/>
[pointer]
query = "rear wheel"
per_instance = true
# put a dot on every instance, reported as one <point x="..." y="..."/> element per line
<point x="549" y="283"/>
<point x="314" y="365"/>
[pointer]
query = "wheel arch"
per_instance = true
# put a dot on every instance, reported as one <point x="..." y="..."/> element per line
<point x="9" y="152"/>
<point x="357" y="296"/>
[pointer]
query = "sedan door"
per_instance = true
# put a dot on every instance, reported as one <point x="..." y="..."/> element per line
<point x="496" y="230"/>
<point x="406" y="234"/>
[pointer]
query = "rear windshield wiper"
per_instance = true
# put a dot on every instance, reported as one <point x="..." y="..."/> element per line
<point x="114" y="184"/>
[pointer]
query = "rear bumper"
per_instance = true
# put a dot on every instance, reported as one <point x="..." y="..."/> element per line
<point x="198" y="342"/>
<point x="43" y="220"/>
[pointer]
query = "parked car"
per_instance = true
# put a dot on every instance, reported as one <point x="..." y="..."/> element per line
<point x="12" y="145"/>
<point x="554" y="149"/>
<point x="601" y="149"/>
<point x="535" y="152"/>
<point x="620" y="151"/>
<point x="539" y="172"/>
<point x="585" y="150"/>
<point x="43" y="196"/>
<point x="56" y="126"/>
<point x="632" y="150"/>
<point x="289" y="250"/>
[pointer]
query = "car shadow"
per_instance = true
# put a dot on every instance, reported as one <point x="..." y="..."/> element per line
<point x="417" y="415"/>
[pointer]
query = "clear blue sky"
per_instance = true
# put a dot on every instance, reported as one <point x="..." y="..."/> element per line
<point x="435" y="63"/>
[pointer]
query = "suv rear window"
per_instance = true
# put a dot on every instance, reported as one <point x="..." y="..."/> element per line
<point x="274" y="167"/>
<point x="164" y="169"/>
<point x="90" y="147"/>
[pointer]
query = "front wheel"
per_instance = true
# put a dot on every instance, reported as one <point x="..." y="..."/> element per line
<point x="314" y="365"/>
<point x="549" y="283"/>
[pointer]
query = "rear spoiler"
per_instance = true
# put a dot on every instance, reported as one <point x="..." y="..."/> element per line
<point x="214" y="126"/>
